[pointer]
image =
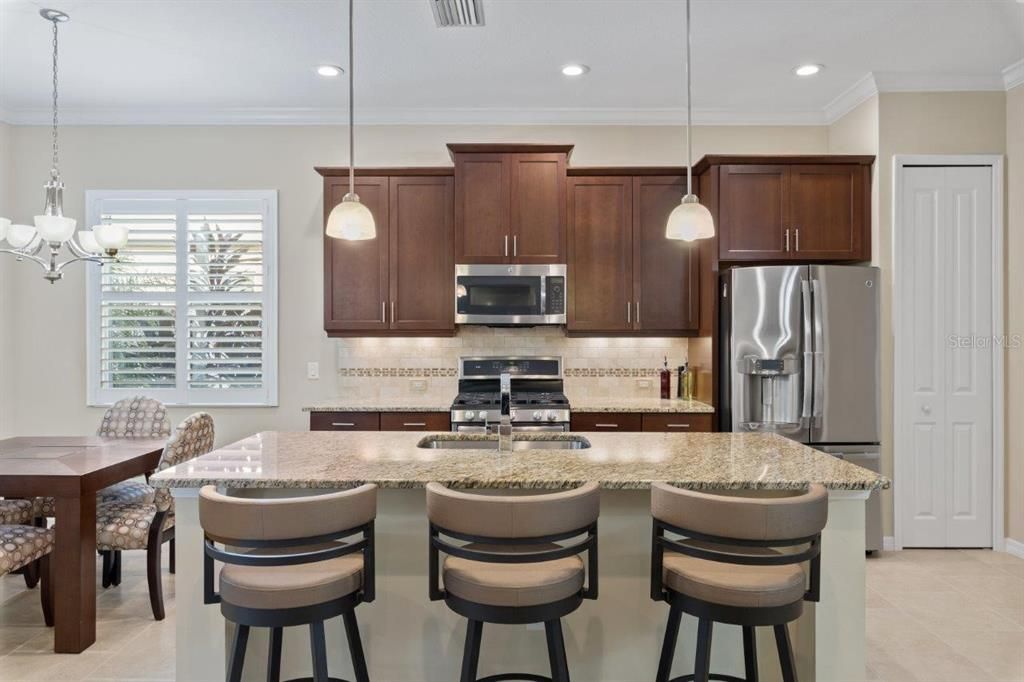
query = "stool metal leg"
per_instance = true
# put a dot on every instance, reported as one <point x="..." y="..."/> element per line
<point x="471" y="654"/>
<point x="785" y="653"/>
<point x="749" y="654"/>
<point x="556" y="651"/>
<point x="318" y="644"/>
<point x="238" y="653"/>
<point x="702" y="664"/>
<point x="274" y="655"/>
<point x="355" y="646"/>
<point x="668" y="648"/>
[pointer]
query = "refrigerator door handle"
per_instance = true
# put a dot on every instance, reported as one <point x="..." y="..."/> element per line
<point x="808" y="355"/>
<point x="819" y="353"/>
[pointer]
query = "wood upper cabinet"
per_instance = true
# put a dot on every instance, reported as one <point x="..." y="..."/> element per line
<point x="665" y="271"/>
<point x="400" y="282"/>
<point x="624" y="275"/>
<point x="800" y="208"/>
<point x="510" y="203"/>
<point x="600" y="296"/>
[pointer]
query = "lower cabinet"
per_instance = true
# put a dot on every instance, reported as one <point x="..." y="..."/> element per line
<point x="635" y="421"/>
<point x="379" y="421"/>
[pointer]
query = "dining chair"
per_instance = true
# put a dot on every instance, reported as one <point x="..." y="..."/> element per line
<point x="23" y="546"/>
<point x="147" y="525"/>
<point x="16" y="512"/>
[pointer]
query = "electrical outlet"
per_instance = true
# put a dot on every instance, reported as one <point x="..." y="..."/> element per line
<point x="418" y="385"/>
<point x="644" y="384"/>
<point x="312" y="370"/>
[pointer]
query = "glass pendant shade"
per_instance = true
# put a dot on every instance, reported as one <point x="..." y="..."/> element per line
<point x="351" y="220"/>
<point x="690" y="221"/>
<point x="87" y="240"/>
<point x="20" y="236"/>
<point x="55" y="228"/>
<point x="4" y="224"/>
<point x="111" y="237"/>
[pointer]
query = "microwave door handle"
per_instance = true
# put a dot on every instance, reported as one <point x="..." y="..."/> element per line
<point x="808" y="354"/>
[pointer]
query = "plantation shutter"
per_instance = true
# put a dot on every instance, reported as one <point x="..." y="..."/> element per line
<point x="188" y="313"/>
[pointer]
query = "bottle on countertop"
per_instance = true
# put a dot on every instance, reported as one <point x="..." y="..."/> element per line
<point x="681" y="371"/>
<point x="666" y="382"/>
<point x="687" y="381"/>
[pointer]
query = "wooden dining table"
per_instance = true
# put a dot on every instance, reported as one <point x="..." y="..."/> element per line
<point x="72" y="469"/>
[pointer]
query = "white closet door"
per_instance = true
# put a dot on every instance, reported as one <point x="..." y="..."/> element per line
<point x="944" y="356"/>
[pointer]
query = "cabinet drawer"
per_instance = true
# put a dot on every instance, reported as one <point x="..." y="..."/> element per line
<point x="680" y="423"/>
<point x="344" y="421"/>
<point x="415" y="421"/>
<point x="606" y="421"/>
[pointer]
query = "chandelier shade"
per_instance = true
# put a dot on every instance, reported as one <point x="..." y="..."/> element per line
<point x="55" y="228"/>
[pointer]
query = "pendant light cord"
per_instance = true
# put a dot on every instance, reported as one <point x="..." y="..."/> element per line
<point x="53" y="170"/>
<point x="351" y="107"/>
<point x="689" y="109"/>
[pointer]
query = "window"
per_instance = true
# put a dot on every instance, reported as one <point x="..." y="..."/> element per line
<point x="188" y="314"/>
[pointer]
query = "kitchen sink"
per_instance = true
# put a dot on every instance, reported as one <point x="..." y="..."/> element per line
<point x="518" y="443"/>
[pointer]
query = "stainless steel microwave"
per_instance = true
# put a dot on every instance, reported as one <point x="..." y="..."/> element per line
<point x="510" y="294"/>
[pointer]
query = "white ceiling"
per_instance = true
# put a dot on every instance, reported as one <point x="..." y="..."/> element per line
<point x="195" y="61"/>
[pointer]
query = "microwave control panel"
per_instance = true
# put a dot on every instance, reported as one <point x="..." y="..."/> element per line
<point x="555" y="303"/>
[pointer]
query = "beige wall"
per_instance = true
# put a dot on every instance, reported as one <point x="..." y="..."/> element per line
<point x="49" y="383"/>
<point x="923" y="123"/>
<point x="1015" y="314"/>
<point x="857" y="133"/>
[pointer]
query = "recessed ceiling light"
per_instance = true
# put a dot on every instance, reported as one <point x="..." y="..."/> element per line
<point x="807" y="69"/>
<point x="329" y="70"/>
<point x="575" y="69"/>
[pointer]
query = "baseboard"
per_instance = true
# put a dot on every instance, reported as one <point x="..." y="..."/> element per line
<point x="888" y="543"/>
<point x="1014" y="547"/>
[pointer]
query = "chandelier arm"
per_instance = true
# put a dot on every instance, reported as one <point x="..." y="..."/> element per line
<point x="22" y="255"/>
<point x="74" y="248"/>
<point x="99" y="260"/>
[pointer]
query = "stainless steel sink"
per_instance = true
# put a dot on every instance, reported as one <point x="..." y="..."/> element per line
<point x="519" y="443"/>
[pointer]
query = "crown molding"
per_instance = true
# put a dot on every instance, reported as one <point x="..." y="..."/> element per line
<point x="907" y="81"/>
<point x="851" y="98"/>
<point x="1013" y="75"/>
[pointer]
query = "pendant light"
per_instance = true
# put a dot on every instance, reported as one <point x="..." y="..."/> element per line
<point x="351" y="220"/>
<point x="690" y="220"/>
<point x="52" y="230"/>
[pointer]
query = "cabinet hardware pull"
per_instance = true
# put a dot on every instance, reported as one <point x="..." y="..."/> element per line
<point x="506" y="244"/>
<point x="606" y="426"/>
<point x="342" y="424"/>
<point x="392" y="312"/>
<point x="629" y="313"/>
<point x="797" y="230"/>
<point x="383" y="313"/>
<point x="787" y="239"/>
<point x="638" y="313"/>
<point x="414" y="424"/>
<point x="515" y="245"/>
<point x="678" y="426"/>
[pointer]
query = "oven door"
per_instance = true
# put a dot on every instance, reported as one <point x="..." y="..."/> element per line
<point x="504" y="295"/>
<point x="539" y="428"/>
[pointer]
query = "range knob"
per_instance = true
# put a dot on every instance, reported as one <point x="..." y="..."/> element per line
<point x="551" y="416"/>
<point x="470" y="414"/>
<point x="538" y="415"/>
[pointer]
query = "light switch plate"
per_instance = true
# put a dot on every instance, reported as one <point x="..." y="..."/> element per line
<point x="418" y="385"/>
<point x="312" y="370"/>
<point x="643" y="383"/>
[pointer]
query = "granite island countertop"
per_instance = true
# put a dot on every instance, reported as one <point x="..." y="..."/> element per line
<point x="330" y="460"/>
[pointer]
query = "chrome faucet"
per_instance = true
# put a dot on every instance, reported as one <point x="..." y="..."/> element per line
<point x="505" y="426"/>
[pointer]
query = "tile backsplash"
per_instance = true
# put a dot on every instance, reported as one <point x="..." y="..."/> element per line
<point x="386" y="368"/>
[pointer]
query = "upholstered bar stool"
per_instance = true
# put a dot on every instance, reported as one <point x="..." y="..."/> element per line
<point x="736" y="560"/>
<point x="513" y="560"/>
<point x="287" y="562"/>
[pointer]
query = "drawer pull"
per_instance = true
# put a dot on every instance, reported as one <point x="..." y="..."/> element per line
<point x="678" y="426"/>
<point x="342" y="424"/>
<point x="414" y="424"/>
<point x="606" y="426"/>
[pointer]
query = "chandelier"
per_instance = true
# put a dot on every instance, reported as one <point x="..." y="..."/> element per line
<point x="53" y="231"/>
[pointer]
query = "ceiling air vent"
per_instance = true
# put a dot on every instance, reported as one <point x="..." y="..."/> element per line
<point x="458" y="12"/>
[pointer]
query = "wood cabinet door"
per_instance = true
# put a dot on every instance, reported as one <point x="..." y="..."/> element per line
<point x="422" y="274"/>
<point x="606" y="421"/>
<point x="830" y="211"/>
<point x="600" y="249"/>
<point x="344" y="421"/>
<point x="753" y="212"/>
<point x="665" y="271"/>
<point x="356" y="272"/>
<point x="538" y="208"/>
<point x="677" y="423"/>
<point x="415" y="421"/>
<point x="482" y="195"/>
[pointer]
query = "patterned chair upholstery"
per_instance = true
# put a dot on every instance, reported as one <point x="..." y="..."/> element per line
<point x="27" y="549"/>
<point x="138" y="417"/>
<point x="14" y="512"/>
<point x="146" y="525"/>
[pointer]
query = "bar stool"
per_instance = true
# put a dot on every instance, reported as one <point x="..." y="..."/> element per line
<point x="292" y="568"/>
<point x="738" y="561"/>
<point x="512" y="569"/>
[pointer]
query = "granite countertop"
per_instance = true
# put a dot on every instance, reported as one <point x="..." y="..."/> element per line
<point x="398" y="405"/>
<point x="331" y="460"/>
<point x="649" y="405"/>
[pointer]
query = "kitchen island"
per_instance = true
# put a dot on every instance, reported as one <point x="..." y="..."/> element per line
<point x="615" y="639"/>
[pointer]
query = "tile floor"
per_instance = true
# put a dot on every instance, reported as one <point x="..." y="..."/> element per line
<point x="933" y="616"/>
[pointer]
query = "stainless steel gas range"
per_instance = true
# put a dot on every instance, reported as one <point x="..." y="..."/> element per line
<point x="538" y="403"/>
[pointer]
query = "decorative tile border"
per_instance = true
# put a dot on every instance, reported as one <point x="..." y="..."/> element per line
<point x="625" y="372"/>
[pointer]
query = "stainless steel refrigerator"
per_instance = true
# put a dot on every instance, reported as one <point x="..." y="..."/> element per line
<point x="800" y="357"/>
